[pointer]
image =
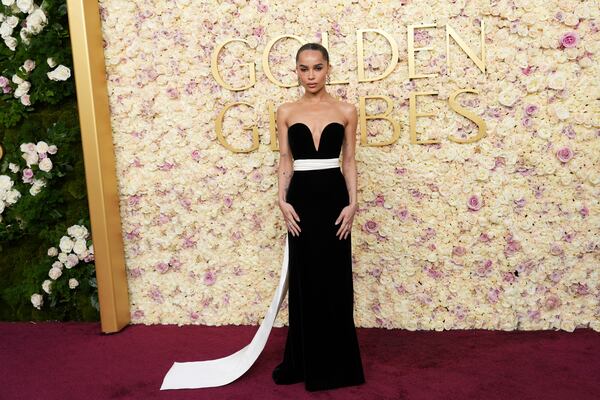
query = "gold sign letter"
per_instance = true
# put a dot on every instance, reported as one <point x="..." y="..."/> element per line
<point x="412" y="116"/>
<point x="364" y="117"/>
<point x="469" y="115"/>
<point x="265" y="59"/>
<point x="360" y="54"/>
<point x="221" y="138"/>
<point x="411" y="51"/>
<point x="214" y="60"/>
<point x="463" y="45"/>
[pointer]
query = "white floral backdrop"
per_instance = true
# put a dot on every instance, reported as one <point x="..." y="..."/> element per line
<point x="503" y="233"/>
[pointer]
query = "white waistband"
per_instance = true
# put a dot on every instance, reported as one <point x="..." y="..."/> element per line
<point x="305" y="164"/>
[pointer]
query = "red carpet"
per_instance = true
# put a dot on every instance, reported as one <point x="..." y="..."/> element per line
<point x="75" y="361"/>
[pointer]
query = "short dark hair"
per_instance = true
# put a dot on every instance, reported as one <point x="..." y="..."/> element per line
<point x="313" y="46"/>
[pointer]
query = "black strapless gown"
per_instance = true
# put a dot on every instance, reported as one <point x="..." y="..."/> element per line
<point x="321" y="347"/>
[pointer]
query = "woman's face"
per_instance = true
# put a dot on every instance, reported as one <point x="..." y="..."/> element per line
<point x="312" y="70"/>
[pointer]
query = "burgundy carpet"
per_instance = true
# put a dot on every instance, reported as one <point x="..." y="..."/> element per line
<point x="76" y="361"/>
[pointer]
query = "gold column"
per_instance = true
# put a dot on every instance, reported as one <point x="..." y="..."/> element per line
<point x="100" y="171"/>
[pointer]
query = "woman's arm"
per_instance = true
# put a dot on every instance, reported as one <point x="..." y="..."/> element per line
<point x="285" y="171"/>
<point x="348" y="152"/>
<point x="286" y="166"/>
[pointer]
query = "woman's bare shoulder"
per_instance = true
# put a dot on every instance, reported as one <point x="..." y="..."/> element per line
<point x="347" y="109"/>
<point x="284" y="110"/>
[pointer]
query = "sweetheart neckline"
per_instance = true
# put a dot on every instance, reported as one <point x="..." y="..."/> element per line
<point x="320" y="136"/>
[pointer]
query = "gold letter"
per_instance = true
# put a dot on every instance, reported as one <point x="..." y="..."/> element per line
<point x="412" y="116"/>
<point x="272" y="126"/>
<point x="223" y="141"/>
<point x="451" y="32"/>
<point x="265" y="59"/>
<point x="325" y="43"/>
<point x="361" y="55"/>
<point x="469" y="115"/>
<point x="411" y="51"/>
<point x="214" y="59"/>
<point x="364" y="117"/>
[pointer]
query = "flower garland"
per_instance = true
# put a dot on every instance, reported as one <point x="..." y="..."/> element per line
<point x="8" y="195"/>
<point x="74" y="250"/>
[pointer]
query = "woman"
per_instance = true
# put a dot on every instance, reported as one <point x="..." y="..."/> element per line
<point x="318" y="204"/>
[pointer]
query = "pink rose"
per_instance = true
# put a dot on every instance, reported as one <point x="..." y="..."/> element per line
<point x="552" y="302"/>
<point x="27" y="175"/>
<point x="569" y="39"/>
<point x="209" y="278"/>
<point x="162" y="267"/>
<point x="371" y="226"/>
<point x="564" y="154"/>
<point x="458" y="251"/>
<point x="474" y="202"/>
<point x="531" y="109"/>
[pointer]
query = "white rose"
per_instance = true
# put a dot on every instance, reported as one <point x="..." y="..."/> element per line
<point x="22" y="89"/>
<point x="77" y="231"/>
<point x="557" y="80"/>
<point x="54" y="273"/>
<point x="37" y="186"/>
<point x="24" y="37"/>
<point x="61" y="73"/>
<point x="14" y="168"/>
<point x="52" y="251"/>
<point x="51" y="62"/>
<point x="57" y="264"/>
<point x="6" y="30"/>
<point x="26" y="6"/>
<point x="52" y="149"/>
<point x="508" y="96"/>
<point x="72" y="260"/>
<point x="37" y="299"/>
<point x="13" y="196"/>
<point x="27" y="147"/>
<point x="46" y="164"/>
<point x="47" y="286"/>
<point x="16" y="79"/>
<point x="66" y="244"/>
<point x="41" y="147"/>
<point x="29" y="65"/>
<point x="36" y="21"/>
<point x="560" y="110"/>
<point x="62" y="257"/>
<point x="31" y="158"/>
<point x="8" y="2"/>
<point x="73" y="283"/>
<point x="80" y="246"/>
<point x="5" y="182"/>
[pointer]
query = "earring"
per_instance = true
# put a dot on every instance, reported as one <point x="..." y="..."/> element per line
<point x="328" y="80"/>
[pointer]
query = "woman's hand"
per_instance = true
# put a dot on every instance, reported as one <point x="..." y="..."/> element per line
<point x="346" y="217"/>
<point x="290" y="216"/>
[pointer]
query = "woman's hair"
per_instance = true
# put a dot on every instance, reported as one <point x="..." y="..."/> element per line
<point x="313" y="46"/>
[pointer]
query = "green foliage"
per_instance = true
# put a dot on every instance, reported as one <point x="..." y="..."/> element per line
<point x="37" y="222"/>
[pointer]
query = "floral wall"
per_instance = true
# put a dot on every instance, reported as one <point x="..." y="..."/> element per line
<point x="502" y="233"/>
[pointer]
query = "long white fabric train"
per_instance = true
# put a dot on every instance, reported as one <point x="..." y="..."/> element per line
<point x="221" y="371"/>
